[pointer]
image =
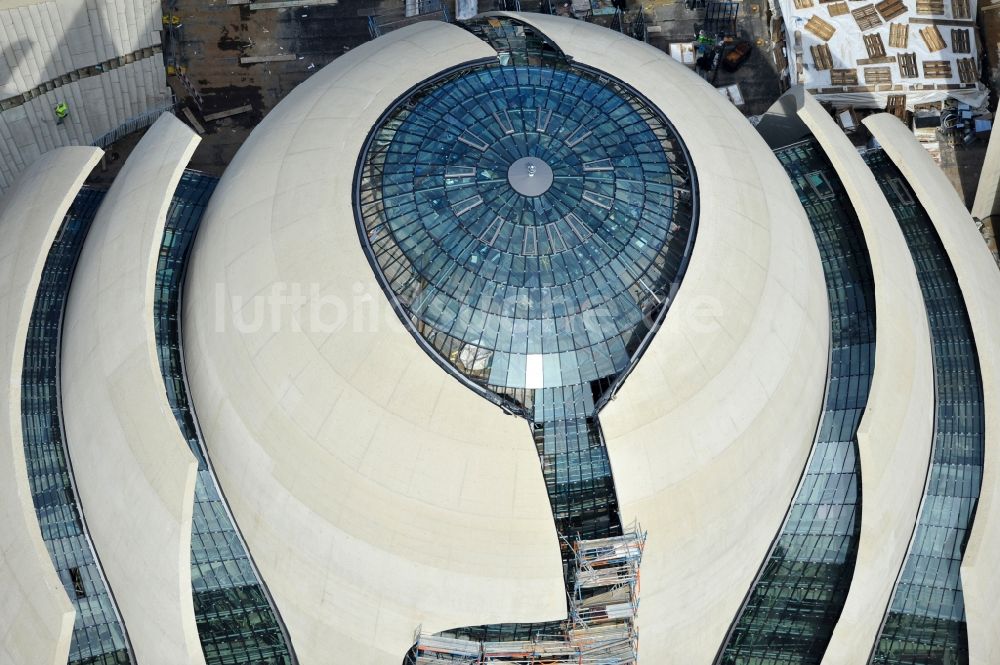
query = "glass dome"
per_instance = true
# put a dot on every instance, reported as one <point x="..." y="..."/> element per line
<point x="529" y="221"/>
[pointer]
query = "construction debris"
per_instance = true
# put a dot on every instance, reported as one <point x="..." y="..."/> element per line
<point x="194" y="121"/>
<point x="253" y="59"/>
<point x="225" y="114"/>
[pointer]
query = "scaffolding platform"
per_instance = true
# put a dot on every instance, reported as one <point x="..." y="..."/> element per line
<point x="600" y="629"/>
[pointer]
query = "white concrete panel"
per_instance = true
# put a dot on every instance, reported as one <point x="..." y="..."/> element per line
<point x="709" y="434"/>
<point x="987" y="201"/>
<point x="376" y="493"/>
<point x="36" y="617"/>
<point x="134" y="470"/>
<point x="895" y="434"/>
<point x="93" y="112"/>
<point x="43" y="40"/>
<point x="980" y="283"/>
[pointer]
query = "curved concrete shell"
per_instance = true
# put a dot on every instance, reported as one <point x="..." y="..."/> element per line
<point x="987" y="201"/>
<point x="376" y="493"/>
<point x="709" y="434"/>
<point x="980" y="282"/>
<point x="129" y="455"/>
<point x="894" y="438"/>
<point x="36" y="617"/>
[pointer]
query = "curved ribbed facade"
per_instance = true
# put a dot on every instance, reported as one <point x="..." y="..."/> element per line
<point x="926" y="618"/>
<point x="794" y="605"/>
<point x="484" y="324"/>
<point x="98" y="634"/>
<point x="235" y="617"/>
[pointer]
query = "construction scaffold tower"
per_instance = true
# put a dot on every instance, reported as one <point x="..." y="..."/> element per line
<point x="600" y="630"/>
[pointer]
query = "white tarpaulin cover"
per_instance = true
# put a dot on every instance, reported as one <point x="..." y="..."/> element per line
<point x="847" y="47"/>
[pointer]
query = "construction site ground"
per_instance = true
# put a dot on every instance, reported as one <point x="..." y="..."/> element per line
<point x="758" y="78"/>
<point x="212" y="36"/>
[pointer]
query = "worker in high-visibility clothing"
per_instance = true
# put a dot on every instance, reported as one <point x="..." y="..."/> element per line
<point x="62" y="110"/>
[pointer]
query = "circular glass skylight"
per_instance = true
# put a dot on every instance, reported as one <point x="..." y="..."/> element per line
<point x="529" y="220"/>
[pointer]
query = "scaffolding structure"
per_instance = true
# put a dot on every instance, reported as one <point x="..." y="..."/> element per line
<point x="600" y="629"/>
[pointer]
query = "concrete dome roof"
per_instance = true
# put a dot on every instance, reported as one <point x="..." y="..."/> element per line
<point x="377" y="493"/>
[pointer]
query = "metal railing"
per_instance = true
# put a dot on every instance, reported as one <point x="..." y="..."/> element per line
<point x="133" y="124"/>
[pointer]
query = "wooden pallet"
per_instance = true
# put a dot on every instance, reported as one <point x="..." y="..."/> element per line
<point x="821" y="56"/>
<point x="889" y="59"/>
<point x="838" y="8"/>
<point x="890" y="9"/>
<point x="942" y="21"/>
<point x="867" y="17"/>
<point x="908" y="65"/>
<point x="896" y="105"/>
<point x="932" y="37"/>
<point x="967" y="70"/>
<point x="960" y="41"/>
<point x="899" y="35"/>
<point x="937" y="69"/>
<point x="930" y="6"/>
<point x="960" y="9"/>
<point x="820" y="28"/>
<point x="803" y="4"/>
<point x="874" y="45"/>
<point x="844" y="76"/>
<point x="877" y="75"/>
<point x="780" y="59"/>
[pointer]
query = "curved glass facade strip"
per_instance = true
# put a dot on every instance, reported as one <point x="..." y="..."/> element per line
<point x="99" y="636"/>
<point x="515" y="43"/>
<point x="237" y="623"/>
<point x="791" y="611"/>
<point x="925" y="621"/>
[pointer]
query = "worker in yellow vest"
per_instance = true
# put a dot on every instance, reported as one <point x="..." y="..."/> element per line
<point x="62" y="110"/>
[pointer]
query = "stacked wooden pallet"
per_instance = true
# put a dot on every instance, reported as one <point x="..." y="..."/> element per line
<point x="967" y="70"/>
<point x="820" y="28"/>
<point x="844" y="76"/>
<point x="877" y="75"/>
<point x="867" y="17"/>
<point x="907" y="65"/>
<point x="960" y="41"/>
<point x="821" y="56"/>
<point x="932" y="37"/>
<point x="890" y="9"/>
<point x="874" y="46"/>
<point x="930" y="6"/>
<point x="937" y="69"/>
<point x="899" y="35"/>
<point x="896" y="105"/>
<point x="960" y="9"/>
